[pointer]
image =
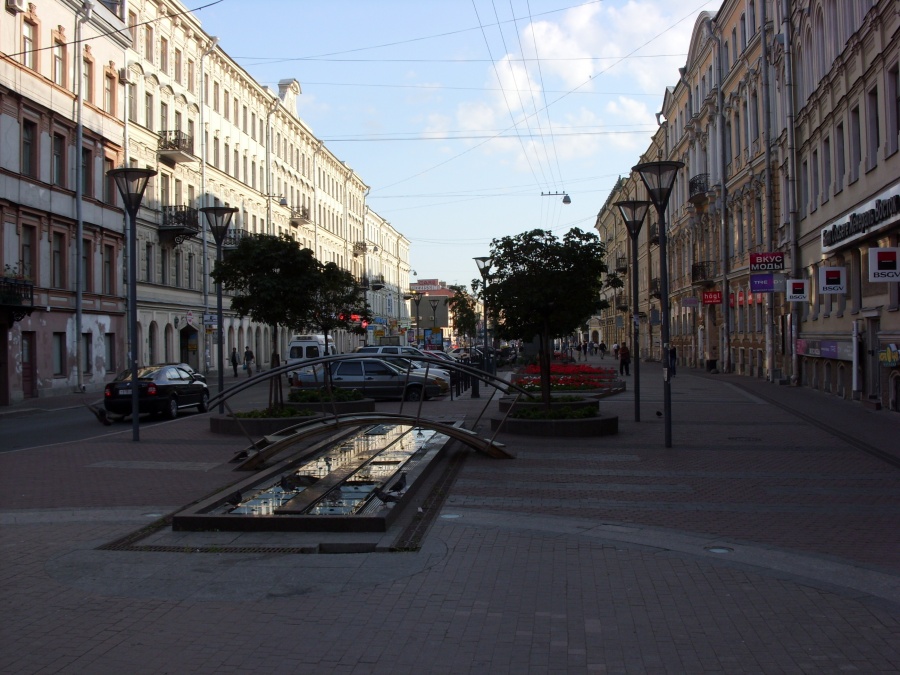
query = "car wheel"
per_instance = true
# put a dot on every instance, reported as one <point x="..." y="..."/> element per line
<point x="171" y="411"/>
<point x="203" y="406"/>
<point x="413" y="393"/>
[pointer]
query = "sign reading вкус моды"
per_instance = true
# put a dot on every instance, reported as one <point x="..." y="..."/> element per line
<point x="766" y="262"/>
<point x="883" y="264"/>
<point x="832" y="280"/>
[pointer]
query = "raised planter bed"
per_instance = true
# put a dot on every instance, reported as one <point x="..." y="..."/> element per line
<point x="591" y="426"/>
<point x="340" y="407"/>
<point x="587" y="401"/>
<point x="256" y="427"/>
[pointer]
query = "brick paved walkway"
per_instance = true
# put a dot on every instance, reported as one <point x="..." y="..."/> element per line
<point x="581" y="555"/>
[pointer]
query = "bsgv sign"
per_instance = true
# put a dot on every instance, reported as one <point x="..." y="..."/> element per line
<point x="765" y="262"/>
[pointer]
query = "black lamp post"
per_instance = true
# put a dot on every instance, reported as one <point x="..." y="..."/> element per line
<point x="484" y="267"/>
<point x="417" y="299"/>
<point x="131" y="184"/>
<point x="633" y="213"/>
<point x="659" y="177"/>
<point x="434" y="305"/>
<point x="218" y="218"/>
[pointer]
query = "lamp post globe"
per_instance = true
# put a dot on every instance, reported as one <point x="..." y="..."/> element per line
<point x="131" y="183"/>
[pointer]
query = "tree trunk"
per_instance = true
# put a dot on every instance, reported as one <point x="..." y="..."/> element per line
<point x="276" y="394"/>
<point x="544" y="357"/>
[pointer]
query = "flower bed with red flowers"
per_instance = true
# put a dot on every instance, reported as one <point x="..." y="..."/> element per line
<point x="568" y="377"/>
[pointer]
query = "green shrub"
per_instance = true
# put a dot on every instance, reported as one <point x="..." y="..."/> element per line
<point x="338" y="395"/>
<point x="564" y="413"/>
<point x="268" y="413"/>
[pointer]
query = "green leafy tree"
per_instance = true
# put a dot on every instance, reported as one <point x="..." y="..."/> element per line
<point x="338" y="302"/>
<point x="543" y="286"/>
<point x="462" y="309"/>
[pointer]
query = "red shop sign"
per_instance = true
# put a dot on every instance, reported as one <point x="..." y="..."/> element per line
<point x="712" y="297"/>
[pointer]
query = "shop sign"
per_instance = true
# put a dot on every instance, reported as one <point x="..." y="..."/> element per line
<point x="690" y="302"/>
<point x="832" y="280"/>
<point x="871" y="216"/>
<point x="883" y="264"/>
<point x="826" y="349"/>
<point x="731" y="299"/>
<point x="741" y="298"/>
<point x="797" y="290"/>
<point x="890" y="357"/>
<point x="762" y="283"/>
<point x="712" y="297"/>
<point x="761" y="262"/>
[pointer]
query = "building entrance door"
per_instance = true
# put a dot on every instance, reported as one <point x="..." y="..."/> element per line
<point x="28" y="361"/>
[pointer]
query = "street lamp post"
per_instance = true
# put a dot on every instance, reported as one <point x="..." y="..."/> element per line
<point x="659" y="177"/>
<point x="131" y="184"/>
<point x="416" y="298"/>
<point x="434" y="305"/>
<point x="484" y="267"/>
<point x="633" y="213"/>
<point x="218" y="218"/>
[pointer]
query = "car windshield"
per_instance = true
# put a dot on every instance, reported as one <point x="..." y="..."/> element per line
<point x="145" y="373"/>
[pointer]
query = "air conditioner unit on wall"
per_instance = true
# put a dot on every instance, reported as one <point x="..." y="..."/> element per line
<point x="125" y="76"/>
<point x="16" y="5"/>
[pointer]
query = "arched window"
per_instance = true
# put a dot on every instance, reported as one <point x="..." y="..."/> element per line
<point x="821" y="66"/>
<point x="752" y="17"/>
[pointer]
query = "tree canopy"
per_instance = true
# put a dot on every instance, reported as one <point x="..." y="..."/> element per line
<point x="542" y="286"/>
<point x="339" y="302"/>
<point x="462" y="308"/>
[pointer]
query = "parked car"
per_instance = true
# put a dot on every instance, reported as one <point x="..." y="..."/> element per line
<point x="419" y="367"/>
<point x="373" y="377"/>
<point x="184" y="366"/>
<point x="393" y="350"/>
<point x="162" y="390"/>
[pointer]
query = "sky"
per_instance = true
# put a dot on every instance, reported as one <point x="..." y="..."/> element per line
<point x="465" y="116"/>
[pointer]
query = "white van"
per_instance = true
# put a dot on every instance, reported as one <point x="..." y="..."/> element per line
<point x="303" y="347"/>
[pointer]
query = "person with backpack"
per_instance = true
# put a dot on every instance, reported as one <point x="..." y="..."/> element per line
<point x="248" y="361"/>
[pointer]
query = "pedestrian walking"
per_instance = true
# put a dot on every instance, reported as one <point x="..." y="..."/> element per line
<point x="248" y="361"/>
<point x="616" y="350"/>
<point x="235" y="360"/>
<point x="602" y="350"/>
<point x="624" y="360"/>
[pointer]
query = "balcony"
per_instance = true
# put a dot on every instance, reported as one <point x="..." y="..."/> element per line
<point x="654" y="287"/>
<point x="703" y="273"/>
<point x="377" y="282"/>
<point x="653" y="234"/>
<point x="300" y="216"/>
<point x="176" y="146"/>
<point x="359" y="248"/>
<point x="621" y="302"/>
<point x="233" y="238"/>
<point x="363" y="283"/>
<point x="698" y="189"/>
<point x="621" y="264"/>
<point x="16" y="298"/>
<point x="179" y="223"/>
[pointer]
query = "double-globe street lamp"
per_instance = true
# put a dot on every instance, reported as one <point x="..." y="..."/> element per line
<point x="218" y="218"/>
<point x="131" y="183"/>
<point x="434" y="302"/>
<point x="659" y="177"/>
<point x="633" y="213"/>
<point x="416" y="297"/>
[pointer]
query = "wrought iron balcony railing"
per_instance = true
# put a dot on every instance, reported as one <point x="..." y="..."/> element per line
<point x="621" y="263"/>
<point x="654" y="287"/>
<point x="653" y="233"/>
<point x="703" y="272"/>
<point x="16" y="297"/>
<point x="698" y="187"/>
<point x="175" y="142"/>
<point x="180" y="222"/>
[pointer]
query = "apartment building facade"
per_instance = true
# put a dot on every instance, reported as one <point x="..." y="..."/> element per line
<point x="164" y="95"/>
<point x="785" y="117"/>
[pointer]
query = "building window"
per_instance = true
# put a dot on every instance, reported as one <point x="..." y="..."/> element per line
<point x="253" y="175"/>
<point x="892" y="123"/>
<point x="59" y="354"/>
<point x="29" y="45"/>
<point x="87" y="80"/>
<point x="164" y="115"/>
<point x="164" y="55"/>
<point x="245" y="120"/>
<point x="148" y="111"/>
<point x="132" y="103"/>
<point x="253" y="126"/>
<point x="804" y="187"/>
<point x="109" y="183"/>
<point x="855" y="145"/>
<point x="840" y="166"/>
<point x="28" y="249"/>
<point x="109" y="94"/>
<point x="164" y="189"/>
<point x="109" y="348"/>
<point x="190" y="271"/>
<point x="237" y="168"/>
<point x="86" y="271"/>
<point x="215" y="100"/>
<point x="814" y="196"/>
<point x="87" y="173"/>
<point x="29" y="148"/>
<point x="873" y="129"/>
<point x="177" y="120"/>
<point x="245" y="170"/>
<point x="216" y="152"/>
<point x="148" y="255"/>
<point x="148" y="43"/>
<point x="826" y="169"/>
<point x="108" y="269"/>
<point x="190" y="76"/>
<point x="226" y="104"/>
<point x="190" y="129"/>
<point x="178" y="66"/>
<point x="58" y="260"/>
<point x="227" y="158"/>
<point x="164" y="261"/>
<point x="58" y="168"/>
<point x="59" y="63"/>
<point x="178" y="273"/>
<point x="86" y="353"/>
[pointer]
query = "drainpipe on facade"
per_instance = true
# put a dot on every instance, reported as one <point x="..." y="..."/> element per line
<point x="316" y="200"/>
<point x="792" y="179"/>
<point x="725" y="356"/>
<point x="270" y="226"/>
<point x="203" y="196"/>
<point x="125" y="141"/>
<point x="770" y="232"/>
<point x="82" y="16"/>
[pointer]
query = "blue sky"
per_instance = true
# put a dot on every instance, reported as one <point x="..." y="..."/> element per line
<point x="460" y="113"/>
